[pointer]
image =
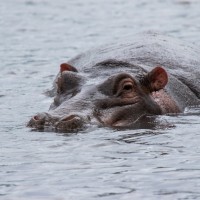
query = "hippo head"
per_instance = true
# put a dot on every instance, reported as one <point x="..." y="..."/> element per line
<point x="116" y="100"/>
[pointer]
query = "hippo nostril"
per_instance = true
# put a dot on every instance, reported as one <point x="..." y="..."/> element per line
<point x="40" y="117"/>
<point x="36" y="118"/>
<point x="70" y="123"/>
<point x="70" y="118"/>
<point x="38" y="121"/>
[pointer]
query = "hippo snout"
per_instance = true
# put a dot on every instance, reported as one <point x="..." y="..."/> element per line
<point x="38" y="121"/>
<point x="70" y="123"/>
<point x="45" y="121"/>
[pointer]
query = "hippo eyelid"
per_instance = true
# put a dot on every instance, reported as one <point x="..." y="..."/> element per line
<point x="126" y="83"/>
<point x="127" y="86"/>
<point x="120" y="79"/>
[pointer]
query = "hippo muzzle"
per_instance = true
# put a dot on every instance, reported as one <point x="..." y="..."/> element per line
<point x="45" y="121"/>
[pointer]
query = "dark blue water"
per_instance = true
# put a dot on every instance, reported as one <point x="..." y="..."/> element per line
<point x="38" y="35"/>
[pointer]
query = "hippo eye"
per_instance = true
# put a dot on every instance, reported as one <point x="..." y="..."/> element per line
<point x="124" y="87"/>
<point x="128" y="86"/>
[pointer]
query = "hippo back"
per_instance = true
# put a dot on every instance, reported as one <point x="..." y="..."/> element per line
<point x="145" y="51"/>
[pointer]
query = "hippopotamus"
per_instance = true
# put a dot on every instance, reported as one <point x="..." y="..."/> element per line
<point x="123" y="84"/>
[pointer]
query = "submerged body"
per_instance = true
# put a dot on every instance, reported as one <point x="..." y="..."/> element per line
<point x="120" y="85"/>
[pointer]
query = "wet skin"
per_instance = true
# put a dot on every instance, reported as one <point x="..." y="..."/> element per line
<point x="120" y="90"/>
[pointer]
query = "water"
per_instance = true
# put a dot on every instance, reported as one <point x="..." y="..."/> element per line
<point x="38" y="35"/>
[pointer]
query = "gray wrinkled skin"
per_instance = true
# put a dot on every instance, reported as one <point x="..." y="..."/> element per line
<point x="86" y="97"/>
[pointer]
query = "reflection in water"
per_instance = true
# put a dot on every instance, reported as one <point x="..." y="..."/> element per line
<point x="133" y="138"/>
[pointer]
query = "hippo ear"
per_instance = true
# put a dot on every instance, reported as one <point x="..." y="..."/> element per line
<point x="67" y="67"/>
<point x="158" y="78"/>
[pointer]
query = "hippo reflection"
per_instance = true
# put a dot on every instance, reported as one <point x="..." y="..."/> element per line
<point x="120" y="85"/>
